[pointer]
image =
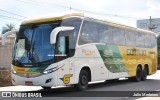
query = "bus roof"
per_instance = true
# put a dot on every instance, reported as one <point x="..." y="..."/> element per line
<point x="119" y="25"/>
<point x="60" y="17"/>
<point x="115" y="24"/>
<point x="51" y="18"/>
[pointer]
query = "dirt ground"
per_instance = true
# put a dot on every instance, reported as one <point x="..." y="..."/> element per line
<point x="5" y="78"/>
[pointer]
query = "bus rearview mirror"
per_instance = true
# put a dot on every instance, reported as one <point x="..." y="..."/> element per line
<point x="6" y="34"/>
<point x="55" y="32"/>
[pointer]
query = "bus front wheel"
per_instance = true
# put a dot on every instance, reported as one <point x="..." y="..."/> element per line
<point x="83" y="81"/>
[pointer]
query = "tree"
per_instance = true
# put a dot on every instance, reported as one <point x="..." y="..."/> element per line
<point x="8" y="27"/>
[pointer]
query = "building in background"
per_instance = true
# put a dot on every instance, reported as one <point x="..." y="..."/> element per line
<point x="150" y="24"/>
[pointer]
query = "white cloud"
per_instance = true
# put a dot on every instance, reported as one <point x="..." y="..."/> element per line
<point x="3" y="3"/>
<point x="153" y="9"/>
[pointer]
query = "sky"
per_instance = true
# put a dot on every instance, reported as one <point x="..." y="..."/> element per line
<point x="121" y="11"/>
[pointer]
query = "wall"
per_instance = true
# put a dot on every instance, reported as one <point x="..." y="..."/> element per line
<point x="5" y="56"/>
<point x="5" y="61"/>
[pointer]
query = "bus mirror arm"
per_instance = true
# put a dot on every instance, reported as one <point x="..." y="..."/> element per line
<point x="55" y="32"/>
<point x="6" y="34"/>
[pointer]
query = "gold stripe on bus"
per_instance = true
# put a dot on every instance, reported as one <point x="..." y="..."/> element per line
<point x="22" y="70"/>
<point x="39" y="20"/>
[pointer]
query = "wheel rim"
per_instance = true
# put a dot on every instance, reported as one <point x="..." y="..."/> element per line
<point x="139" y="74"/>
<point x="145" y="73"/>
<point x="84" y="80"/>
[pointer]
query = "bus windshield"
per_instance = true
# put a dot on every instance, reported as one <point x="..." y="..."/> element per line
<point x="32" y="46"/>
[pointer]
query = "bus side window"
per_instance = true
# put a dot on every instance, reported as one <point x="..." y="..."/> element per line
<point x="61" y="48"/>
<point x="153" y="41"/>
<point x="118" y="36"/>
<point x="130" y="38"/>
<point x="105" y="34"/>
<point x="89" y="33"/>
<point x="140" y="39"/>
<point x="147" y="40"/>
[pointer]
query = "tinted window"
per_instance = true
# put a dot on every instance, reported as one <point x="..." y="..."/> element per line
<point x="33" y="44"/>
<point x="89" y="33"/>
<point x="147" y="40"/>
<point x="73" y="22"/>
<point x="130" y="38"/>
<point x="140" y="39"/>
<point x="118" y="36"/>
<point x="153" y="41"/>
<point x="105" y="34"/>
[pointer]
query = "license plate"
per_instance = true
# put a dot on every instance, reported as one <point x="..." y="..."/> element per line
<point x="28" y="83"/>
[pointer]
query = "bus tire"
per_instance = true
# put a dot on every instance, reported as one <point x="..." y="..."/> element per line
<point x="83" y="81"/>
<point x="46" y="88"/>
<point x="144" y="74"/>
<point x="138" y="76"/>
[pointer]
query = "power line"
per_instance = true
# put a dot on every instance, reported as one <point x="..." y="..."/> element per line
<point x="26" y="2"/>
<point x="8" y="17"/>
<point x="105" y="14"/>
<point x="71" y="8"/>
<point x="36" y="3"/>
<point x="12" y="13"/>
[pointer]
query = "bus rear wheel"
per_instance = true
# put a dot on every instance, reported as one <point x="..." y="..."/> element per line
<point x="144" y="74"/>
<point x="83" y="81"/>
<point x="138" y="76"/>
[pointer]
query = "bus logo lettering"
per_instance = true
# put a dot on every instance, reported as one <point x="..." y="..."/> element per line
<point x="66" y="78"/>
<point x="88" y="52"/>
<point x="135" y="52"/>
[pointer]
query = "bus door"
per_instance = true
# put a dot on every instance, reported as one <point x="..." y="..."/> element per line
<point x="63" y="60"/>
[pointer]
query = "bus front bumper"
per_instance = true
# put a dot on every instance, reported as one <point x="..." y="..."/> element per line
<point x="47" y="80"/>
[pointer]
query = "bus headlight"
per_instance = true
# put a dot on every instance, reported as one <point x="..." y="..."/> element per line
<point x="49" y="71"/>
<point x="52" y="69"/>
<point x="13" y="71"/>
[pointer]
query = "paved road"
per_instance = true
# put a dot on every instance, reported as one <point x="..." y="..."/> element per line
<point x="151" y="84"/>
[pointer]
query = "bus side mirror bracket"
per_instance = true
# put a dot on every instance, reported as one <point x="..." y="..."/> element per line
<point x="55" y="32"/>
<point x="6" y="34"/>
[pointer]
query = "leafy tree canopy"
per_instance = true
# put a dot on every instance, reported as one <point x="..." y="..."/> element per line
<point x="8" y="27"/>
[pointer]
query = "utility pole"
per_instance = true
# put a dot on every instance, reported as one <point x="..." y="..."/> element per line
<point x="151" y="25"/>
<point x="150" y="21"/>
